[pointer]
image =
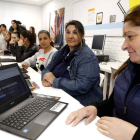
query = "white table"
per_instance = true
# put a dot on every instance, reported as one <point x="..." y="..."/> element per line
<point x="58" y="130"/>
<point x="107" y="69"/>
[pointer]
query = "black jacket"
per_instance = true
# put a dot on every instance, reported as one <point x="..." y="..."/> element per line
<point x="13" y="48"/>
<point x="23" y="52"/>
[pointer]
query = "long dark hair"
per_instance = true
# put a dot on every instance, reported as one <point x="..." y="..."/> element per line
<point x="7" y="41"/>
<point x="33" y="33"/>
<point x="33" y="29"/>
<point x="29" y="35"/>
<point x="17" y="23"/>
<point x="44" y="31"/>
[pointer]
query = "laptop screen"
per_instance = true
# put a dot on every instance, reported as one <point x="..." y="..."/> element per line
<point x="12" y="85"/>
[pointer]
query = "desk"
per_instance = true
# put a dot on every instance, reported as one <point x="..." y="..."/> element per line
<point x="58" y="130"/>
<point x="107" y="69"/>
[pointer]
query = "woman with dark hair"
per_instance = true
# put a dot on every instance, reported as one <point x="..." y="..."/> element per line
<point x="74" y="68"/>
<point x="42" y="58"/>
<point x="26" y="47"/>
<point x="32" y="30"/>
<point x="8" y="38"/>
<point x="3" y="29"/>
<point x="120" y="114"/>
<point x="2" y="39"/>
<point x="17" y="27"/>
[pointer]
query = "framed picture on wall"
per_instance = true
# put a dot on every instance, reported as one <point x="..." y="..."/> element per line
<point x="99" y="18"/>
<point x="112" y="18"/>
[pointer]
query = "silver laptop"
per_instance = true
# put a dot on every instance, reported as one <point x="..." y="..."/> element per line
<point x="21" y="112"/>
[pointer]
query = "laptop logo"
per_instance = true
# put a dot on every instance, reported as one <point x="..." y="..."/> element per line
<point x="25" y="130"/>
<point x="12" y="103"/>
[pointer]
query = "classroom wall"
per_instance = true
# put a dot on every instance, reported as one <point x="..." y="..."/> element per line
<point x="28" y="14"/>
<point x="112" y="44"/>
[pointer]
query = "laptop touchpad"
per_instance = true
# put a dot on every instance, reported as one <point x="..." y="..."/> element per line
<point x="45" y="118"/>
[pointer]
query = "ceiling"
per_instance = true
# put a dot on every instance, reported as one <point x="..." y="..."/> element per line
<point x="32" y="2"/>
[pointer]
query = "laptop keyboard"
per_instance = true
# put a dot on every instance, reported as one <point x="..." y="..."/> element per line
<point x="27" y="113"/>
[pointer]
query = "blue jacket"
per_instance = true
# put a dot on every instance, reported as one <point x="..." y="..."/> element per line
<point x="19" y="29"/>
<point x="127" y="107"/>
<point x="84" y="74"/>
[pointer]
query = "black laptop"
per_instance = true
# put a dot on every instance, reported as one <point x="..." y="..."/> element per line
<point x="23" y="70"/>
<point x="21" y="112"/>
<point x="7" y="60"/>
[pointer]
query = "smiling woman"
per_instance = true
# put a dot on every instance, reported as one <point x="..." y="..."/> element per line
<point x="123" y="106"/>
<point x="74" y="68"/>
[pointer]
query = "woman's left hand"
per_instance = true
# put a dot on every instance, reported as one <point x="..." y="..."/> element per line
<point x="20" y="42"/>
<point x="49" y="77"/>
<point x="116" y="128"/>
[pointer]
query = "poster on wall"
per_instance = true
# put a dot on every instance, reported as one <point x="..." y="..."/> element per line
<point x="108" y="16"/>
<point x="91" y="13"/>
<point x="57" y="24"/>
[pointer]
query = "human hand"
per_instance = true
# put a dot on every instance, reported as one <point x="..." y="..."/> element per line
<point x="1" y="52"/>
<point x="12" y="41"/>
<point x="20" y="42"/>
<point x="116" y="128"/>
<point x="25" y="65"/>
<point x="49" y="77"/>
<point x="89" y="112"/>
<point x="46" y="83"/>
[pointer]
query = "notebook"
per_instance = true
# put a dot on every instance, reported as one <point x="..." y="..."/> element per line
<point x="24" y="113"/>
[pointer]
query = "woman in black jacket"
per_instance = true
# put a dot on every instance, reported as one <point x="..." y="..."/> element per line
<point x="26" y="47"/>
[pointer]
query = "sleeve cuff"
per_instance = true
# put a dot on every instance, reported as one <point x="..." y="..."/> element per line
<point x="55" y="82"/>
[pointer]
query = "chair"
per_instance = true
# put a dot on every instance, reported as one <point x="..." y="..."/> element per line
<point x="102" y="76"/>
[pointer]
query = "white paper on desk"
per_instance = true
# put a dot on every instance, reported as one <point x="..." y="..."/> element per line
<point x="58" y="107"/>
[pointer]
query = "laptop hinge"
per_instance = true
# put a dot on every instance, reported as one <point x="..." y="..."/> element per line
<point x="31" y="95"/>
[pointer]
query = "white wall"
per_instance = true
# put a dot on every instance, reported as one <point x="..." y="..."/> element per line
<point x="28" y="14"/>
<point x="112" y="44"/>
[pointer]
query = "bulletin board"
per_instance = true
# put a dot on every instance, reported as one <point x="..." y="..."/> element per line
<point x="101" y="16"/>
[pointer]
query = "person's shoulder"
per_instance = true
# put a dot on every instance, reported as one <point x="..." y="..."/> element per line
<point x="23" y="27"/>
<point x="41" y="51"/>
<point x="87" y="51"/>
<point x="35" y="47"/>
<point x="54" y="50"/>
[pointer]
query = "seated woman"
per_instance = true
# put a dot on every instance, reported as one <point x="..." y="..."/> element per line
<point x="16" y="27"/>
<point x="2" y="40"/>
<point x="7" y="38"/>
<point x="14" y="43"/>
<point x="74" y="68"/>
<point x="32" y="30"/>
<point x="42" y="58"/>
<point x="122" y="109"/>
<point x="26" y="47"/>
